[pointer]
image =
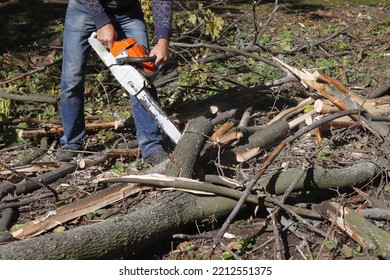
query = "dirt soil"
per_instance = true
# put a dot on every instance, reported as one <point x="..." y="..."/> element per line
<point x="252" y="235"/>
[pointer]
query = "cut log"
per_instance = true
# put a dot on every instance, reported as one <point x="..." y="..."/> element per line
<point x="321" y="178"/>
<point x="264" y="137"/>
<point x="185" y="155"/>
<point x="271" y="135"/>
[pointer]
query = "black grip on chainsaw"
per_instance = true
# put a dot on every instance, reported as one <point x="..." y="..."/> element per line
<point x="135" y="60"/>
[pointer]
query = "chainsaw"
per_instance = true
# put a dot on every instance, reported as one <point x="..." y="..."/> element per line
<point x="134" y="68"/>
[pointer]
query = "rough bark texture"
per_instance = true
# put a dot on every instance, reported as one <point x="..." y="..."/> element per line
<point x="321" y="178"/>
<point x="124" y="235"/>
<point x="268" y="136"/>
<point x="185" y="155"/>
<point x="373" y="237"/>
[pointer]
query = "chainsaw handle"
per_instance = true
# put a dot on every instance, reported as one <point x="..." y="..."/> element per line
<point x="135" y="60"/>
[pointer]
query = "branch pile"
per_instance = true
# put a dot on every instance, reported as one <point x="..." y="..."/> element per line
<point x="186" y="201"/>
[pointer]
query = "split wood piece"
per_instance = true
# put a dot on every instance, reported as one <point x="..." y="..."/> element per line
<point x="367" y="235"/>
<point x="233" y="136"/>
<point x="77" y="209"/>
<point x="287" y="113"/>
<point x="343" y="122"/>
<point x="221" y="131"/>
<point x="184" y="184"/>
<point x="224" y="181"/>
<point x="316" y="131"/>
<point x="40" y="132"/>
<point x="271" y="134"/>
<point x="318" y="178"/>
<point x="352" y="100"/>
<point x="342" y="95"/>
<point x="32" y="167"/>
<point x="379" y="106"/>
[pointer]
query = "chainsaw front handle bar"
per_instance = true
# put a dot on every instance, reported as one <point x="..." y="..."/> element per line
<point x="135" y="60"/>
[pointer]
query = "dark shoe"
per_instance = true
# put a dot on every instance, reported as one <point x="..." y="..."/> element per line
<point x="67" y="155"/>
<point x="156" y="158"/>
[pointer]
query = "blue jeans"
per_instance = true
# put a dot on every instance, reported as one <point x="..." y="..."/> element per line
<point x="78" y="28"/>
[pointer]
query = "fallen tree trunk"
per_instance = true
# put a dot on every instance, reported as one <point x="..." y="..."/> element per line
<point x="125" y="235"/>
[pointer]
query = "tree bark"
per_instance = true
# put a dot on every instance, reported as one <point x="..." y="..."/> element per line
<point x="366" y="234"/>
<point x="321" y="178"/>
<point x="185" y="155"/>
<point x="125" y="235"/>
<point x="270" y="134"/>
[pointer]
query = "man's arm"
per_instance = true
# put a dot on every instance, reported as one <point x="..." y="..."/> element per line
<point x="105" y="30"/>
<point x="162" y="16"/>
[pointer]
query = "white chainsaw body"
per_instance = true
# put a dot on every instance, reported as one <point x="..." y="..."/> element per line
<point x="135" y="84"/>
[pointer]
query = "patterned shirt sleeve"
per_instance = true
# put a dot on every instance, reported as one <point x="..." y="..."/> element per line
<point x="162" y="16"/>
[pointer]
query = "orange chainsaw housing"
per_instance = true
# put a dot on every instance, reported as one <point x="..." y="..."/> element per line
<point x="133" y="49"/>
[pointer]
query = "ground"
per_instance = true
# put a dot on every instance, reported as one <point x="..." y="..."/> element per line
<point x="349" y="43"/>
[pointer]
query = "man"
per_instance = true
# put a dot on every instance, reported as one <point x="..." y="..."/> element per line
<point x="112" y="20"/>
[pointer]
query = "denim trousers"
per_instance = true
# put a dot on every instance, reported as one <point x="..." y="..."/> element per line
<point x="78" y="27"/>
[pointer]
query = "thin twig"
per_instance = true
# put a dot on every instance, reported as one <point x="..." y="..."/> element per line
<point x="232" y="52"/>
<point x="31" y="72"/>
<point x="264" y="27"/>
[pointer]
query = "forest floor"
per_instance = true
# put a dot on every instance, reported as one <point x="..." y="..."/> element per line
<point x="359" y="56"/>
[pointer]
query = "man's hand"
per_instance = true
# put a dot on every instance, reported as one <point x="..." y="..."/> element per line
<point x="161" y="51"/>
<point x="107" y="35"/>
